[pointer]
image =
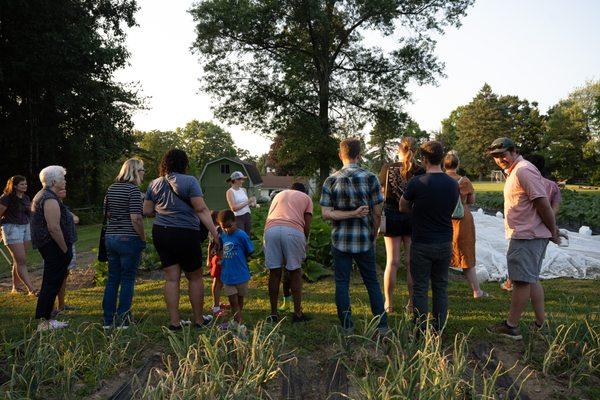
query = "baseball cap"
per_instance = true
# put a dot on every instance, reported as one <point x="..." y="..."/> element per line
<point x="500" y="145"/>
<point x="236" y="175"/>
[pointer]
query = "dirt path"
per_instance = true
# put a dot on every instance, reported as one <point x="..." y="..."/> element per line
<point x="80" y="277"/>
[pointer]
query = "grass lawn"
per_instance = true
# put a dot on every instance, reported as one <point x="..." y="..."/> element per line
<point x="88" y="236"/>
<point x="564" y="363"/>
<point x="567" y="301"/>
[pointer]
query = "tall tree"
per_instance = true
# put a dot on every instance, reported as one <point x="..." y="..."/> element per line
<point x="586" y="98"/>
<point x="292" y="151"/>
<point x="59" y="103"/>
<point x="479" y="123"/>
<point x="526" y="124"/>
<point x="448" y="135"/>
<point x="267" y="62"/>
<point x="390" y="127"/>
<point x="565" y="140"/>
<point x="151" y="147"/>
<point x="205" y="141"/>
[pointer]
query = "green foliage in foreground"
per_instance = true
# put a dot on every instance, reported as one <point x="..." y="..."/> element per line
<point x="69" y="363"/>
<point x="74" y="363"/>
<point x="219" y="365"/>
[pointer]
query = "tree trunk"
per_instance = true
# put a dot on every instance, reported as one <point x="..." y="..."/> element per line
<point x="324" y="121"/>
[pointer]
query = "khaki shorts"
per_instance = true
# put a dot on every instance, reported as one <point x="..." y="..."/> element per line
<point x="524" y="259"/>
<point x="241" y="289"/>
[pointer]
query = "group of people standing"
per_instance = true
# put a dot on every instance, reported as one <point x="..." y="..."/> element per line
<point x="425" y="210"/>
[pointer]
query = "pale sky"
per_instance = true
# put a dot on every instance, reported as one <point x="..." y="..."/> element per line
<point x="537" y="49"/>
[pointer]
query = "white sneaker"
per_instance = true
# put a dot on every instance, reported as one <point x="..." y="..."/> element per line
<point x="185" y="322"/>
<point x="242" y="331"/>
<point x="51" y="325"/>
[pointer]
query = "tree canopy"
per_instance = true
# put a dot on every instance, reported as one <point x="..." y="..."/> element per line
<point x="59" y="103"/>
<point x="268" y="63"/>
<point x="567" y="135"/>
<point x="202" y="141"/>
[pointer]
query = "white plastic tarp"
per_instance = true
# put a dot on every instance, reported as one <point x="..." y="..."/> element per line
<point x="581" y="259"/>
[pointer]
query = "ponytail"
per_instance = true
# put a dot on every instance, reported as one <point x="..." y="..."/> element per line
<point x="407" y="147"/>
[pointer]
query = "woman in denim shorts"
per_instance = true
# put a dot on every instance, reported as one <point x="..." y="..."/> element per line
<point x="15" y="212"/>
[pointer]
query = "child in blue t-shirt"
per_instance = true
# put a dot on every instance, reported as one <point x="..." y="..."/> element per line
<point x="235" y="274"/>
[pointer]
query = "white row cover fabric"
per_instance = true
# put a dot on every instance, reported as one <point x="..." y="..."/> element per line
<point x="581" y="259"/>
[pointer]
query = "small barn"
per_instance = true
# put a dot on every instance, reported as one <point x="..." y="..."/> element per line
<point x="214" y="185"/>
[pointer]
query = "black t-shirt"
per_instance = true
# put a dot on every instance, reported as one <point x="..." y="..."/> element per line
<point x="394" y="185"/>
<point x="434" y="198"/>
<point x="17" y="210"/>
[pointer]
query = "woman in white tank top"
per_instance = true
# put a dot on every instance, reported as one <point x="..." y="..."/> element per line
<point x="239" y="202"/>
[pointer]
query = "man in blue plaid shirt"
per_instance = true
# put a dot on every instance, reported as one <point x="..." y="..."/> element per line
<point x="352" y="199"/>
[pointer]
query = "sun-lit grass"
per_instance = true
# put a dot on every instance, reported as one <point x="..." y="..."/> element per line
<point x="568" y="302"/>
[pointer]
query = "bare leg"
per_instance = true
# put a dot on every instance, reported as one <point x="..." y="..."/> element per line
<point x="519" y="299"/>
<point x="238" y="315"/>
<point x="471" y="275"/>
<point x="15" y="278"/>
<point x="18" y="251"/>
<point x="392" y="261"/>
<point x="196" y="287"/>
<point x="409" y="279"/>
<point x="172" y="278"/>
<point x="61" y="294"/>
<point x="216" y="287"/>
<point x="296" y="287"/>
<point x="274" y="280"/>
<point x="537" y="301"/>
<point x="235" y="306"/>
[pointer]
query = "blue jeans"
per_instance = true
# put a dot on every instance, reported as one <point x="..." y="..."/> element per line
<point x="430" y="262"/>
<point x="124" y="254"/>
<point x="342" y="264"/>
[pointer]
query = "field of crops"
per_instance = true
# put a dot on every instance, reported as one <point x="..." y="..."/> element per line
<point x="578" y="207"/>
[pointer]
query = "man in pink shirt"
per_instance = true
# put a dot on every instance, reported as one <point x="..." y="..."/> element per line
<point x="529" y="224"/>
<point x="286" y="235"/>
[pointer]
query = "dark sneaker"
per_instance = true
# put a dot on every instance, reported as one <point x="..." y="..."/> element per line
<point x="206" y="320"/>
<point x="175" y="328"/>
<point x="272" y="319"/>
<point x="503" y="329"/>
<point x="300" y="318"/>
<point x="535" y="328"/>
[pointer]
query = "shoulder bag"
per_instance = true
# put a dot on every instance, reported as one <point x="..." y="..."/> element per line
<point x="203" y="230"/>
<point x="383" y="223"/>
<point x="102" y="255"/>
<point x="459" y="210"/>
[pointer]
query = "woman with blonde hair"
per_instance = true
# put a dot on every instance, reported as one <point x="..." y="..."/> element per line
<point x="16" y="234"/>
<point x="125" y="241"/>
<point x="463" y="238"/>
<point x="394" y="177"/>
